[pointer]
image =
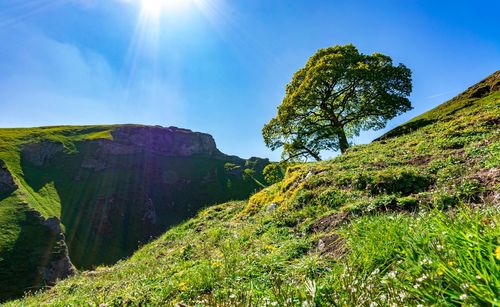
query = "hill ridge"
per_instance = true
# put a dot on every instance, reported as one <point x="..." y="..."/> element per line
<point x="111" y="188"/>
<point x="411" y="219"/>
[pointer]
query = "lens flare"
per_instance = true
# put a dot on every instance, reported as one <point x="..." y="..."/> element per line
<point x="157" y="7"/>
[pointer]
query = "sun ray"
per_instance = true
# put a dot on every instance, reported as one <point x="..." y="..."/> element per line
<point x="23" y="10"/>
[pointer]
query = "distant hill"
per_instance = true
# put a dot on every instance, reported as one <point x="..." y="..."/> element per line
<point x="91" y="195"/>
<point x="408" y="220"/>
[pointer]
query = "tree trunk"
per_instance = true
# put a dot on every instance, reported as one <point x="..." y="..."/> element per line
<point x="343" y="144"/>
<point x="313" y="154"/>
<point x="317" y="157"/>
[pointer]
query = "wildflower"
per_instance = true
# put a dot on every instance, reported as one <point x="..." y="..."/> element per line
<point x="376" y="271"/>
<point x="422" y="278"/>
<point x="392" y="274"/>
<point x="463" y="296"/>
<point x="469" y="236"/>
<point x="497" y="253"/>
<point x="416" y="286"/>
<point x="451" y="263"/>
<point x="439" y="247"/>
<point x="274" y="303"/>
<point x="425" y="261"/>
<point x="464" y="286"/>
<point x="478" y="277"/>
<point x="383" y="297"/>
<point x="232" y="296"/>
<point x="373" y="304"/>
<point x="402" y="295"/>
<point x="420" y="305"/>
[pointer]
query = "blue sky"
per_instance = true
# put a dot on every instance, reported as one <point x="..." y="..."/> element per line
<point x="221" y="66"/>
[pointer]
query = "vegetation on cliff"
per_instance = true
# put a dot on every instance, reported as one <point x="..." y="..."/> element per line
<point x="410" y="219"/>
<point x="111" y="189"/>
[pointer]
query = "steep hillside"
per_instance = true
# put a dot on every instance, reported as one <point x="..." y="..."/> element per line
<point x="411" y="219"/>
<point x="86" y="196"/>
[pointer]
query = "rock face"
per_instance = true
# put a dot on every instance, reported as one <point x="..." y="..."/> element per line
<point x="59" y="266"/>
<point x="118" y="193"/>
<point x="133" y="140"/>
<point x="41" y="153"/>
<point x="170" y="141"/>
<point x="7" y="184"/>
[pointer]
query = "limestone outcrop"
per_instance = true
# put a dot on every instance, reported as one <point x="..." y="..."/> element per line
<point x="7" y="183"/>
<point x="60" y="266"/>
<point x="41" y="153"/>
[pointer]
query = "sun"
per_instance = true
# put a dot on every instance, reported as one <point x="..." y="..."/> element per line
<point x="157" y="7"/>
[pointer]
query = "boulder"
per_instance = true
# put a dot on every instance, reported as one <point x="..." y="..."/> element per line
<point x="7" y="183"/>
<point x="59" y="266"/>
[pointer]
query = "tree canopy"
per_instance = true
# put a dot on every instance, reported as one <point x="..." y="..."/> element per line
<point x="338" y="93"/>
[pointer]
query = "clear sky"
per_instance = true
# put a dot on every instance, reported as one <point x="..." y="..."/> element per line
<point x="221" y="66"/>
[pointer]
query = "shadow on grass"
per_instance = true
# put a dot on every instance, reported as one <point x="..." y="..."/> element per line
<point x="110" y="211"/>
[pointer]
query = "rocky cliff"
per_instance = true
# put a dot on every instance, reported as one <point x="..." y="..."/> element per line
<point x="111" y="189"/>
<point x="7" y="184"/>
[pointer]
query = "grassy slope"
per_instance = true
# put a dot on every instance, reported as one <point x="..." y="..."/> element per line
<point x="366" y="227"/>
<point x="16" y="222"/>
<point x="53" y="191"/>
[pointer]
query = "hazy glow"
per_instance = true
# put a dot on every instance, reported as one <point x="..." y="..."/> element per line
<point x="158" y="7"/>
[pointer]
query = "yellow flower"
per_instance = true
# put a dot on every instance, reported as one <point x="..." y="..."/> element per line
<point x="270" y="247"/>
<point x="451" y="263"/>
<point x="440" y="271"/>
<point x="182" y="286"/>
<point x="497" y="253"/>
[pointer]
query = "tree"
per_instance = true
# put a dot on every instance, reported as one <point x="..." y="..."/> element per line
<point x="336" y="95"/>
<point x="274" y="172"/>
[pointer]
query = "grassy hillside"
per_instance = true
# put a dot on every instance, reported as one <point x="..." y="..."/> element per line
<point x="411" y="219"/>
<point x="108" y="203"/>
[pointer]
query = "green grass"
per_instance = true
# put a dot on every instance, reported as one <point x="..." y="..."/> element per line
<point x="411" y="219"/>
<point x="100" y="211"/>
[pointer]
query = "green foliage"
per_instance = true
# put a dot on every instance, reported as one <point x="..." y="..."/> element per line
<point x="336" y="95"/>
<point x="399" y="221"/>
<point x="470" y="190"/>
<point x="274" y="172"/>
<point x="103" y="212"/>
<point x="228" y="166"/>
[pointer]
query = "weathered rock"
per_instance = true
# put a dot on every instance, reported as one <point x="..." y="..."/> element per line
<point x="40" y="154"/>
<point x="329" y="222"/>
<point x="58" y="269"/>
<point x="133" y="139"/>
<point x="149" y="212"/>
<point x="7" y="183"/>
<point x="94" y="164"/>
<point x="170" y="141"/>
<point x="53" y="224"/>
<point x="331" y="245"/>
<point x="60" y="266"/>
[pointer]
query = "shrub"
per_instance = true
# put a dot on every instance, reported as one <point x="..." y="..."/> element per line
<point x="470" y="190"/>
